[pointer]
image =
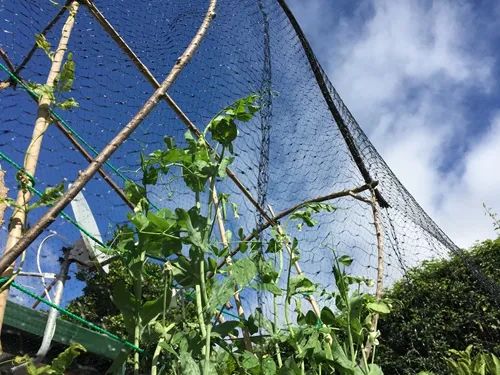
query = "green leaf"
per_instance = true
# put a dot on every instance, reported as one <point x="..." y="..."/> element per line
<point x="374" y="369"/>
<point x="258" y="320"/>
<point x="49" y="196"/>
<point x="64" y="360"/>
<point x="42" y="43"/>
<point x="269" y="287"/>
<point x="221" y="293"/>
<point x="493" y="364"/>
<point x="224" y="164"/>
<point x="67" y="75"/>
<point x="267" y="272"/>
<point x="290" y="367"/>
<point x="134" y="192"/>
<point x="346" y="260"/>
<point x="301" y="285"/>
<point x="274" y="246"/>
<point x="194" y="225"/>
<point x="243" y="271"/>
<point x="149" y="172"/>
<point x="234" y="207"/>
<point x="42" y="91"/>
<point x="309" y="209"/>
<point x="223" y="130"/>
<point x="126" y="303"/>
<point x="225" y="328"/>
<point x="378" y="307"/>
<point x="68" y="104"/>
<point x="150" y="310"/>
<point x="340" y="358"/>
<point x="268" y="366"/>
<point x="188" y="364"/>
<point x="223" y="127"/>
<point x="327" y="316"/>
<point x="311" y="318"/>
<point x="249" y="360"/>
<point x="305" y="216"/>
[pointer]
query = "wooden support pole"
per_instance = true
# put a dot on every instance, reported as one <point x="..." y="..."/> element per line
<point x="273" y="221"/>
<point x="18" y="219"/>
<point x="222" y="231"/>
<point x="379" y="287"/>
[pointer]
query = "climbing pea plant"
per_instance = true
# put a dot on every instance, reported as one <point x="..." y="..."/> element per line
<point x="206" y="268"/>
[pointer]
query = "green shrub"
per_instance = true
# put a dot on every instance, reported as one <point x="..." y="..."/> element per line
<point x="439" y="306"/>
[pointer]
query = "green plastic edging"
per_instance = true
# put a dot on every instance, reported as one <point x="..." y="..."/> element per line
<point x="33" y="321"/>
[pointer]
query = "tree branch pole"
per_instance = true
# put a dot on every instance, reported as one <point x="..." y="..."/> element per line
<point x="312" y="301"/>
<point x="18" y="219"/>
<point x="222" y="231"/>
<point x="52" y="213"/>
<point x="379" y="288"/>
<point x="275" y="219"/>
<point x="173" y="105"/>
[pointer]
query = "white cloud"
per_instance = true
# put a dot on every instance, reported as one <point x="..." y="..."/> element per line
<point x="404" y="72"/>
<point x="462" y="212"/>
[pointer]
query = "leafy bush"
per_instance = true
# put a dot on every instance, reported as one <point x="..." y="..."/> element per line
<point x="209" y="271"/>
<point x="440" y="306"/>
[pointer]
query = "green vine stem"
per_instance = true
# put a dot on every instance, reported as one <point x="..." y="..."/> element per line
<point x="199" y="310"/>
<point x="206" y="365"/>
<point x="138" y="281"/>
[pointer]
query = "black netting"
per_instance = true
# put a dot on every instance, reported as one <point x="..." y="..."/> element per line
<point x="304" y="144"/>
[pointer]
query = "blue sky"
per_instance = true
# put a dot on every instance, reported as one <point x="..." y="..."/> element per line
<point x="422" y="79"/>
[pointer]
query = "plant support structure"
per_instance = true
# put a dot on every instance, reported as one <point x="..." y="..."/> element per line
<point x="85" y="176"/>
<point x="18" y="219"/>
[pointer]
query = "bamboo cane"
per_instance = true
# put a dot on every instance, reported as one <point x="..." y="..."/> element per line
<point x="18" y="219"/>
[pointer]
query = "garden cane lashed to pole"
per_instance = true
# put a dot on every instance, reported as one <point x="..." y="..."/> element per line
<point x="18" y="219"/>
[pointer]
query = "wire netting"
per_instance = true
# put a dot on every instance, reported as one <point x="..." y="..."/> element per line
<point x="304" y="143"/>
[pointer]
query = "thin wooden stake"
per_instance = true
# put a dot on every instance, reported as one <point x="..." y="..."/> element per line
<point x="379" y="288"/>
<point x="237" y="298"/>
<point x="18" y="219"/>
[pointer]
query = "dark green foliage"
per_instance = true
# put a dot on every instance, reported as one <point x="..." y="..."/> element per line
<point x="441" y="306"/>
<point x="96" y="305"/>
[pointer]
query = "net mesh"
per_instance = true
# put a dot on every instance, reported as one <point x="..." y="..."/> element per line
<point x="304" y="143"/>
